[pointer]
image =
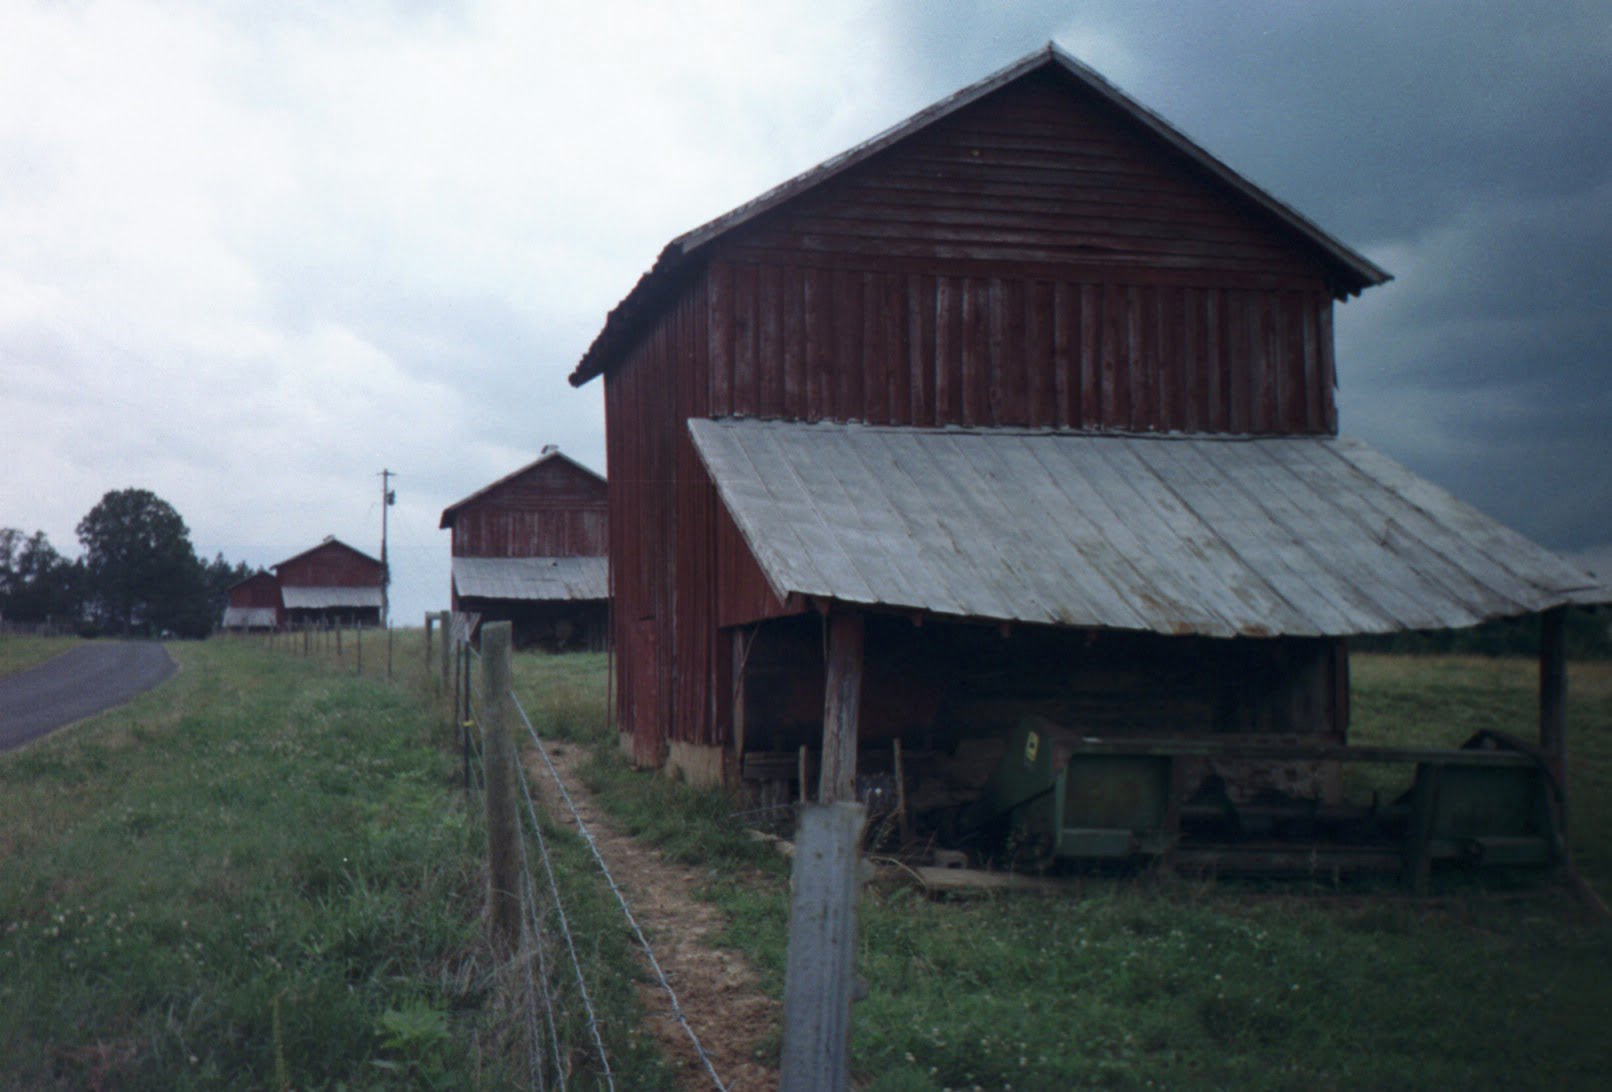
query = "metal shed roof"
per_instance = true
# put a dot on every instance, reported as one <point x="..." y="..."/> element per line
<point x="249" y="618"/>
<point x="532" y="577"/>
<point x="324" y="598"/>
<point x="1176" y="534"/>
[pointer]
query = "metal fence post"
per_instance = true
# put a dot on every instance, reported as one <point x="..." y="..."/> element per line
<point x="498" y="755"/>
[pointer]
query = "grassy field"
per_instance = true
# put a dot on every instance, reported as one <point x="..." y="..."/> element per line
<point x="260" y="875"/>
<point x="21" y="653"/>
<point x="1143" y="983"/>
<point x="264" y="874"/>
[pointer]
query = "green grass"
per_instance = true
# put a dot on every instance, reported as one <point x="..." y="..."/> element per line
<point x="260" y="874"/>
<point x="21" y="653"/>
<point x="1183" y="984"/>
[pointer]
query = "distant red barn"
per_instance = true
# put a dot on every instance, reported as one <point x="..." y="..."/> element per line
<point x="1036" y="397"/>
<point x="254" y="603"/>
<point x="331" y="583"/>
<point x="530" y="549"/>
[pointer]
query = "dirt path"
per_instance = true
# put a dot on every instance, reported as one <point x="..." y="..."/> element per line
<point x="79" y="683"/>
<point x="716" y="987"/>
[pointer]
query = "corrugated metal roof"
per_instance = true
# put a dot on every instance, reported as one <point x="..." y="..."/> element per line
<point x="1221" y="536"/>
<point x="532" y="577"/>
<point x="249" y="618"/>
<point x="326" y="598"/>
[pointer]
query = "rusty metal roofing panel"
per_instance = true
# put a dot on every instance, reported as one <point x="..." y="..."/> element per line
<point x="1178" y="534"/>
<point x="325" y="598"/>
<point x="532" y="577"/>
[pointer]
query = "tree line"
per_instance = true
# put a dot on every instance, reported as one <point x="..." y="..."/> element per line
<point x="138" y="575"/>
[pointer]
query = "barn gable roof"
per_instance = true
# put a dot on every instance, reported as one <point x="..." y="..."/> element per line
<point x="532" y="578"/>
<point x="1175" y="534"/>
<point x="329" y="542"/>
<point x="548" y="459"/>
<point x="1353" y="271"/>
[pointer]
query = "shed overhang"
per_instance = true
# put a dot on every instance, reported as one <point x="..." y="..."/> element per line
<point x="1175" y="534"/>
<point x="328" y="598"/>
<point x="532" y="578"/>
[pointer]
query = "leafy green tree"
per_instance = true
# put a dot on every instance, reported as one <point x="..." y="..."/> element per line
<point x="37" y="584"/>
<point x="141" y="572"/>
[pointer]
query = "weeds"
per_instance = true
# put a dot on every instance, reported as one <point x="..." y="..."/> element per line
<point x="1201" y="984"/>
<point x="258" y="863"/>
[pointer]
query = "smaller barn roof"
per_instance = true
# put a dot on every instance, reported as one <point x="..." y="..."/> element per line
<point x="1212" y="535"/>
<point x="532" y="578"/>
<point x="1353" y="270"/>
<point x="330" y="540"/>
<point x="450" y="512"/>
<point x="261" y="574"/>
<point x="326" y="598"/>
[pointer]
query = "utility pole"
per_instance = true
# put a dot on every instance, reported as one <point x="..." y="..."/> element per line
<point x="388" y="498"/>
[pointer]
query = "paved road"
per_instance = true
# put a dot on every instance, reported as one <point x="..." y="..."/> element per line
<point x="77" y="684"/>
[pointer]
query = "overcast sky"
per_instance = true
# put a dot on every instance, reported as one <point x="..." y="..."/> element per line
<point x="251" y="254"/>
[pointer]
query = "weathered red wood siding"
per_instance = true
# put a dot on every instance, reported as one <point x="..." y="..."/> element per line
<point x="259" y="590"/>
<point x="553" y="509"/>
<point x="330" y="565"/>
<point x="1030" y="260"/>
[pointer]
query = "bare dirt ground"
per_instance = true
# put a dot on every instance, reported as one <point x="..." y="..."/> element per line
<point x="717" y="989"/>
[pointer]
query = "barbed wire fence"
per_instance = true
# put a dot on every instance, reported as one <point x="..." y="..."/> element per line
<point x="565" y="1040"/>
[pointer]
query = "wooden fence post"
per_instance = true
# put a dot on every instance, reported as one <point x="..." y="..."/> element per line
<point x="430" y="621"/>
<point x="819" y="978"/>
<point x="503" y="821"/>
<point x="445" y="620"/>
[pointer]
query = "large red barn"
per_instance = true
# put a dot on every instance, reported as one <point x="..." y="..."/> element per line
<point x="1038" y="396"/>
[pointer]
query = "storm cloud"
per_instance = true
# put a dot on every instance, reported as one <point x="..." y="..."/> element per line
<point x="251" y="254"/>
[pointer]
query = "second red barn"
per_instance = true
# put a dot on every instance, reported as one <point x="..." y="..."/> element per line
<point x="530" y="549"/>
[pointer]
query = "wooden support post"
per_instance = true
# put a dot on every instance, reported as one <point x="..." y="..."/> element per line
<point x="503" y="820"/>
<point x="901" y="792"/>
<point x="445" y="620"/>
<point x="358" y="646"/>
<point x="1553" y="691"/>
<point x="389" y="652"/>
<point x="338" y="640"/>
<point x="819" y="980"/>
<point x="842" y="701"/>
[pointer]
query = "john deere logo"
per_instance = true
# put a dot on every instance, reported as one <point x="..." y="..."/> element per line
<point x="1032" y="744"/>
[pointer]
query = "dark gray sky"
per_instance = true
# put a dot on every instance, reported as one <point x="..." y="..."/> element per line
<point x="248" y="256"/>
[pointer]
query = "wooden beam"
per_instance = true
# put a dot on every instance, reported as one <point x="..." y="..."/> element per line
<point x="1553" y="691"/>
<point x="842" y="700"/>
